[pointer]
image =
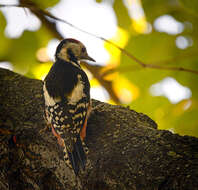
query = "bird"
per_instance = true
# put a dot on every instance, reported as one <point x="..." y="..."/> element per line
<point x="66" y="91"/>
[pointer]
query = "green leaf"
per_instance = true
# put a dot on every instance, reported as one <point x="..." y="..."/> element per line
<point x="123" y="18"/>
<point x="186" y="124"/>
<point x="156" y="8"/>
<point x="191" y="5"/>
<point x="21" y="51"/>
<point x="45" y="3"/>
<point x="4" y="41"/>
<point x="98" y="1"/>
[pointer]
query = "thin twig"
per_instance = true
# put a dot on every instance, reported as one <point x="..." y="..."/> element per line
<point x="152" y="66"/>
<point x="133" y="67"/>
<point x="171" y="68"/>
<point x="149" y="66"/>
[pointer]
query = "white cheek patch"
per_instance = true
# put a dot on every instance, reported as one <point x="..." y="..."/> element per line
<point x="49" y="101"/>
<point x="77" y="93"/>
<point x="63" y="54"/>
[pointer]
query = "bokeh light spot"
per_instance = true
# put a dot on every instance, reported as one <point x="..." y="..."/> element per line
<point x="168" y="24"/>
<point x="171" y="89"/>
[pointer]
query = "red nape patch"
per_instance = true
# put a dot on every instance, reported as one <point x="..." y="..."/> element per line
<point x="73" y="40"/>
<point x="12" y="142"/>
<point x="14" y="139"/>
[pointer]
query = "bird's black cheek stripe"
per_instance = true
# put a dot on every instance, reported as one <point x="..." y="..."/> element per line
<point x="71" y="55"/>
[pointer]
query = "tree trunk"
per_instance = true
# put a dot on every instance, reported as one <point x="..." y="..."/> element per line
<point x="126" y="150"/>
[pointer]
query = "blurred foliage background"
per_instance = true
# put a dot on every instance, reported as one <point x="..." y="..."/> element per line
<point x="163" y="33"/>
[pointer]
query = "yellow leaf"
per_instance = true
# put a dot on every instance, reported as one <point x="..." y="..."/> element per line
<point x="140" y="25"/>
<point x="121" y="39"/>
<point x="109" y="72"/>
<point x="41" y="70"/>
<point x="94" y="82"/>
<point x="182" y="106"/>
<point x="125" y="90"/>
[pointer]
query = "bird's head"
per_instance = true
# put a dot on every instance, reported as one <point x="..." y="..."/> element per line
<point x="72" y="50"/>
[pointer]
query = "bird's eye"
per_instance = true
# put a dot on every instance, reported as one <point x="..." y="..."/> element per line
<point x="83" y="50"/>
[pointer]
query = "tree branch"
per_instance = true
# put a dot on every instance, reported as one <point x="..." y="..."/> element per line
<point x="126" y="151"/>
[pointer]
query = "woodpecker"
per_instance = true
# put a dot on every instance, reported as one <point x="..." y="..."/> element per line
<point x="66" y="91"/>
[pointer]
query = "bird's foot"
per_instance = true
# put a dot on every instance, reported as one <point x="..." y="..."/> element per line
<point x="46" y="128"/>
<point x="59" y="139"/>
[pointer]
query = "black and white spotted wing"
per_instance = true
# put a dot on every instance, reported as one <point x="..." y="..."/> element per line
<point x="68" y="119"/>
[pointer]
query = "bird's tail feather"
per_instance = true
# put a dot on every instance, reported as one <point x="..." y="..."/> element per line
<point x="76" y="158"/>
<point x="78" y="147"/>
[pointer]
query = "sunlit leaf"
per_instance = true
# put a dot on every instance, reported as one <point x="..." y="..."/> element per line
<point x="45" y="3"/>
<point x="123" y="18"/>
<point x="140" y="25"/>
<point x="4" y="40"/>
<point x="40" y="70"/>
<point x="125" y="89"/>
<point x="94" y="82"/>
<point x="98" y="1"/>
<point x="121" y="38"/>
<point x="156" y="8"/>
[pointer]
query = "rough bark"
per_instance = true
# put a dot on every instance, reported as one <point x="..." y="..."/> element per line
<point x="126" y="151"/>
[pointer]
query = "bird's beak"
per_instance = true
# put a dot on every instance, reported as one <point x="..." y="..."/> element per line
<point x="87" y="57"/>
